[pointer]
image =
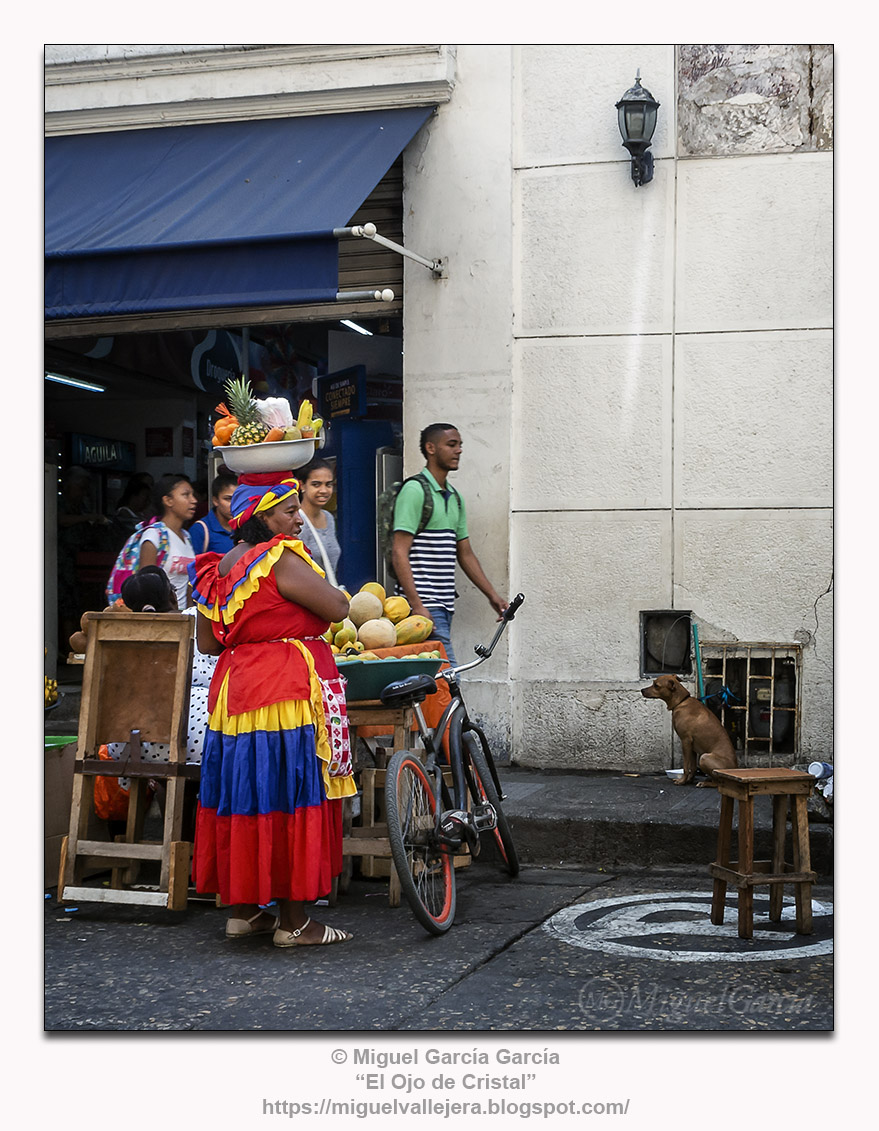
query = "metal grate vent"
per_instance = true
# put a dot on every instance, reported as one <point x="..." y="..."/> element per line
<point x="754" y="689"/>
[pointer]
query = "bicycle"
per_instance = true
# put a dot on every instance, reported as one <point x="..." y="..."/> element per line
<point x="427" y="822"/>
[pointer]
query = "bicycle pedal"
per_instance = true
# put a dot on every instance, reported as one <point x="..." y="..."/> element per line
<point x="484" y="817"/>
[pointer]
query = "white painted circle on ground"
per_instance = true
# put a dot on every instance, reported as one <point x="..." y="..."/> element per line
<point x="676" y="927"/>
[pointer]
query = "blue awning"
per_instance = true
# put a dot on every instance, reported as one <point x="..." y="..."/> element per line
<point x="220" y="215"/>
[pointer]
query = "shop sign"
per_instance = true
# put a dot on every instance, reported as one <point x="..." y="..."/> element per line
<point x="98" y="452"/>
<point x="384" y="390"/>
<point x="342" y="395"/>
<point x="215" y="360"/>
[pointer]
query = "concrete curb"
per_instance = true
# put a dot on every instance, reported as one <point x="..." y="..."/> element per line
<point x="612" y="821"/>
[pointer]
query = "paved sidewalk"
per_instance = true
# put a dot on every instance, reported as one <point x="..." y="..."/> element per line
<point x="612" y="820"/>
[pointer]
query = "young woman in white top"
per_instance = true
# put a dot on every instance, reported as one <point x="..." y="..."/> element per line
<point x="319" y="531"/>
<point x="176" y="504"/>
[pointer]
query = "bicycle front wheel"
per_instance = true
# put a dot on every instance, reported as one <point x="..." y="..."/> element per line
<point x="427" y="877"/>
<point x="482" y="787"/>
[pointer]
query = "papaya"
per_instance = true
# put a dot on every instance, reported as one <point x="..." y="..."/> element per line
<point x="375" y="589"/>
<point x="396" y="609"/>
<point x="78" y="643"/>
<point x="364" y="607"/>
<point x="413" y="630"/>
<point x="378" y="633"/>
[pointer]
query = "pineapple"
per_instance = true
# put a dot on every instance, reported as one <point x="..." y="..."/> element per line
<point x="242" y="405"/>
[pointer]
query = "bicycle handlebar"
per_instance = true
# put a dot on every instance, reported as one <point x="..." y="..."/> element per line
<point x="513" y="607"/>
<point x="481" y="651"/>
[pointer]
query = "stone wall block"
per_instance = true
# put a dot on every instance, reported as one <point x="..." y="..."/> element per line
<point x="586" y="575"/>
<point x="755" y="243"/>
<point x="753" y="420"/>
<point x="758" y="573"/>
<point x="594" y="253"/>
<point x="560" y="726"/>
<point x="592" y="422"/>
<point x="566" y="95"/>
<point x="739" y="98"/>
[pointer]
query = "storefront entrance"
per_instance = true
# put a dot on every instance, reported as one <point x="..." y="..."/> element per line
<point x="132" y="387"/>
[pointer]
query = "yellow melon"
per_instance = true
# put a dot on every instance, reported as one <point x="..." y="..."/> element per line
<point x="375" y="589"/>
<point x="347" y="634"/>
<point x="364" y="607"/>
<point x="378" y="633"/>
<point x="413" y="630"/>
<point x="397" y="609"/>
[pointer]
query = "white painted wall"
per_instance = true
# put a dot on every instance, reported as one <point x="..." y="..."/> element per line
<point x="678" y="336"/>
<point x="457" y="332"/>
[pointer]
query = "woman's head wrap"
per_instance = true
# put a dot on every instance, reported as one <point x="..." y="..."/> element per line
<point x="260" y="492"/>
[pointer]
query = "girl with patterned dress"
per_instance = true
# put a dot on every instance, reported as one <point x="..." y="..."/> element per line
<point x="277" y="760"/>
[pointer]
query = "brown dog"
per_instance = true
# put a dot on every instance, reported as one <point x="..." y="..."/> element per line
<point x="704" y="741"/>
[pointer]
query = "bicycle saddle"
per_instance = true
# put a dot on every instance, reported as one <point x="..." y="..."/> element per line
<point x="407" y="692"/>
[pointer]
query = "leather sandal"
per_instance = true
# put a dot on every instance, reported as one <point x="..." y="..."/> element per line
<point x="330" y="935"/>
<point x="244" y="928"/>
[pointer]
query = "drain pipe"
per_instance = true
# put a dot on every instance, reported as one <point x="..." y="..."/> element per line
<point x="698" y="653"/>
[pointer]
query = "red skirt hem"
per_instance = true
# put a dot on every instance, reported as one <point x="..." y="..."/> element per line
<point x="255" y="859"/>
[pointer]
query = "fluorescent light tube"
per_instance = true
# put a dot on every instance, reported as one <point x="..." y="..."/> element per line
<point x="354" y="326"/>
<point x="76" y="383"/>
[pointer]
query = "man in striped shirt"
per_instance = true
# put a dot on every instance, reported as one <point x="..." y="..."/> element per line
<point x="424" y="559"/>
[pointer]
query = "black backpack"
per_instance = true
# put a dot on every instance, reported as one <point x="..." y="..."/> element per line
<point x="385" y="510"/>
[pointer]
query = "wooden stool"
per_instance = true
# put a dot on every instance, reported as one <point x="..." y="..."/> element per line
<point x="135" y="688"/>
<point x="784" y="786"/>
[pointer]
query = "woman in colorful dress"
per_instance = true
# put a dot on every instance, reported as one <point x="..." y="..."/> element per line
<point x="277" y="759"/>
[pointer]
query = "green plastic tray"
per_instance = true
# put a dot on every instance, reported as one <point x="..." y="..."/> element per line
<point x="367" y="678"/>
<point x="55" y="740"/>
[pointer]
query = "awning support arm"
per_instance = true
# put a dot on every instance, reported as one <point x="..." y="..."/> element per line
<point x="386" y="295"/>
<point x="369" y="232"/>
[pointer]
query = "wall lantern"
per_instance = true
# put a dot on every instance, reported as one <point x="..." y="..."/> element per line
<point x="637" y="119"/>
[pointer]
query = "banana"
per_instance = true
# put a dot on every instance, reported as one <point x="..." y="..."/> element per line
<point x="305" y="414"/>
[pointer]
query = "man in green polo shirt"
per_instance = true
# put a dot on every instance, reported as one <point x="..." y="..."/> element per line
<point x="424" y="560"/>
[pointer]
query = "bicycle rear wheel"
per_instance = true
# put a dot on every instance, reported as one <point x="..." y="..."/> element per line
<point x="427" y="877"/>
<point x="482" y="787"/>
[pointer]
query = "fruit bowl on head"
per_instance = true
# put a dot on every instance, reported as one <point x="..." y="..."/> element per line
<point x="282" y="455"/>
